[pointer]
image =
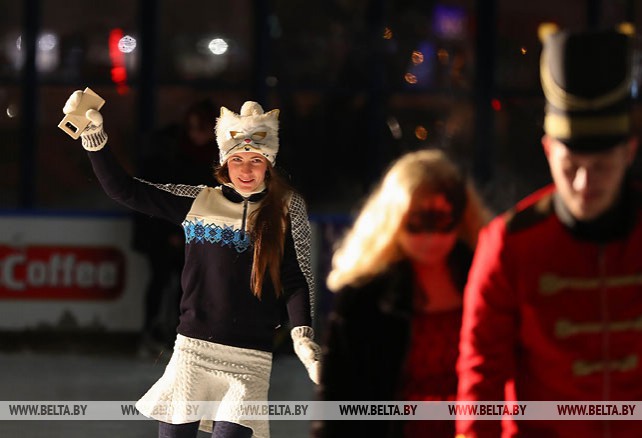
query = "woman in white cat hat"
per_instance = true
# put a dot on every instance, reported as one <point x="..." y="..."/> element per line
<point x="247" y="253"/>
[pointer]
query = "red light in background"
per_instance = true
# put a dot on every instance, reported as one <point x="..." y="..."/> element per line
<point x="118" y="74"/>
<point x="496" y="104"/>
<point x="118" y="70"/>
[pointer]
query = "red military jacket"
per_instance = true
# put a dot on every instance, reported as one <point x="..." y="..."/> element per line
<point x="559" y="314"/>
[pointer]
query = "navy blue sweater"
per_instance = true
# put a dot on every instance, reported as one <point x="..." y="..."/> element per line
<point x="217" y="304"/>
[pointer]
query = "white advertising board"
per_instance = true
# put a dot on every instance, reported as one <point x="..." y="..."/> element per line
<point x="70" y="272"/>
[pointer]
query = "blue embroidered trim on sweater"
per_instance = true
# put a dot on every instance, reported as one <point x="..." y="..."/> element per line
<point x="200" y="232"/>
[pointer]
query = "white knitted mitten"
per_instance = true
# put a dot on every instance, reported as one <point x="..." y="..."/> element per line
<point x="94" y="138"/>
<point x="307" y="350"/>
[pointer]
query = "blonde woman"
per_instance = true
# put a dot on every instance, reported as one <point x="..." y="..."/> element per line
<point x="399" y="274"/>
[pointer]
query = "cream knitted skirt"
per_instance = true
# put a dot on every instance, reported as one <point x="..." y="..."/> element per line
<point x="201" y="371"/>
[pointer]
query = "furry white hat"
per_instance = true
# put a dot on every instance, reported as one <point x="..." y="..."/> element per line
<point x="251" y="130"/>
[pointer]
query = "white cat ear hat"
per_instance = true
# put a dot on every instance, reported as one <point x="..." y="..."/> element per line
<point x="251" y="130"/>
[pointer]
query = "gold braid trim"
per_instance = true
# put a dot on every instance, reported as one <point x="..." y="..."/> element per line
<point x="550" y="284"/>
<point x="565" y="328"/>
<point x="563" y="126"/>
<point x="566" y="101"/>
<point x="584" y="368"/>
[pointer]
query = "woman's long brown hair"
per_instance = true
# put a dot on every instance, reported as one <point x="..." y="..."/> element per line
<point x="267" y="226"/>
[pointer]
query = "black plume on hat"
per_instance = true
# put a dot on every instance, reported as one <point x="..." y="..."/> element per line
<point x="586" y="78"/>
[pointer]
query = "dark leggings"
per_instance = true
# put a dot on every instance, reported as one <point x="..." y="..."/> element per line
<point x="222" y="429"/>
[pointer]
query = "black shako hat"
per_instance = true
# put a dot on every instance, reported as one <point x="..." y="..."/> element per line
<point x="586" y="79"/>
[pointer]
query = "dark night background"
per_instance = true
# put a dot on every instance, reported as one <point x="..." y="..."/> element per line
<point x="358" y="83"/>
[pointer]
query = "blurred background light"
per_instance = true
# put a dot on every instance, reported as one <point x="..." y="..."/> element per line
<point x="218" y="46"/>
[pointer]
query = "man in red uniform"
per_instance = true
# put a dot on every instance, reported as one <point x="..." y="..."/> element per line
<point x="554" y="298"/>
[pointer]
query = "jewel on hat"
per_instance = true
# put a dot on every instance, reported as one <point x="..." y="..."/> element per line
<point x="252" y="130"/>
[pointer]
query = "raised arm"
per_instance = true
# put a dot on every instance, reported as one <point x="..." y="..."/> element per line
<point x="167" y="201"/>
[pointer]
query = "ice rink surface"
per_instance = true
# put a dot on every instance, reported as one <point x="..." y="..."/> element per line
<point x="74" y="376"/>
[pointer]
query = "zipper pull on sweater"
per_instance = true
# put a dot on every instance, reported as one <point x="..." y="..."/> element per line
<point x="244" y="220"/>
